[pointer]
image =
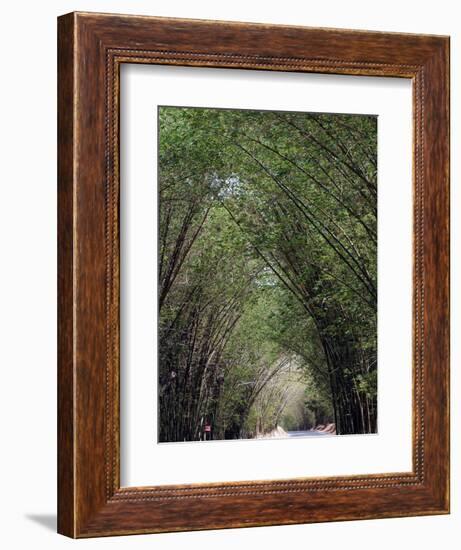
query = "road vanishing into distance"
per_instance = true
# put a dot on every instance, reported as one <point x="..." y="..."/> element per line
<point x="305" y="433"/>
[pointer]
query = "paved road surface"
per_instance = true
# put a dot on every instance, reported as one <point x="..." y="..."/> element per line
<point x="306" y="433"/>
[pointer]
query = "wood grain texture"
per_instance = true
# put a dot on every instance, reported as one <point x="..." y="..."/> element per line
<point x="91" y="48"/>
<point x="66" y="471"/>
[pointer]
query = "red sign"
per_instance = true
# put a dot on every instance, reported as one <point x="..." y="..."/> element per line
<point x="207" y="428"/>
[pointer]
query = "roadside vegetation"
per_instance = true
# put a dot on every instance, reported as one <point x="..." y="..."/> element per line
<point x="267" y="273"/>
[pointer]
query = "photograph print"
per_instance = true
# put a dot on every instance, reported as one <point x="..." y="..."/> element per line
<point x="267" y="274"/>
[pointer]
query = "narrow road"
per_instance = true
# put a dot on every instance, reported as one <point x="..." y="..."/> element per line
<point x="305" y="433"/>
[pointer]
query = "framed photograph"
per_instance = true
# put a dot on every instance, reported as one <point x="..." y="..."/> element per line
<point x="253" y="275"/>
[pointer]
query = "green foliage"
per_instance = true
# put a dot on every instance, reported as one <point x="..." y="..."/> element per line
<point x="267" y="271"/>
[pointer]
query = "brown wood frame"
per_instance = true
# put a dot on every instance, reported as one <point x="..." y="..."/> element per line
<point x="91" y="49"/>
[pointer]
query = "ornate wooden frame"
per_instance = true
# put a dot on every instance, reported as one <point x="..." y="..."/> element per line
<point x="91" y="48"/>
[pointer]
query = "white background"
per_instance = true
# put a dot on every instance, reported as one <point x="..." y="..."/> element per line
<point x="143" y="460"/>
<point x="28" y="274"/>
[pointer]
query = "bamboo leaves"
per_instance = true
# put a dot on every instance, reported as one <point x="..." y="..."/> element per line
<point x="267" y="271"/>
